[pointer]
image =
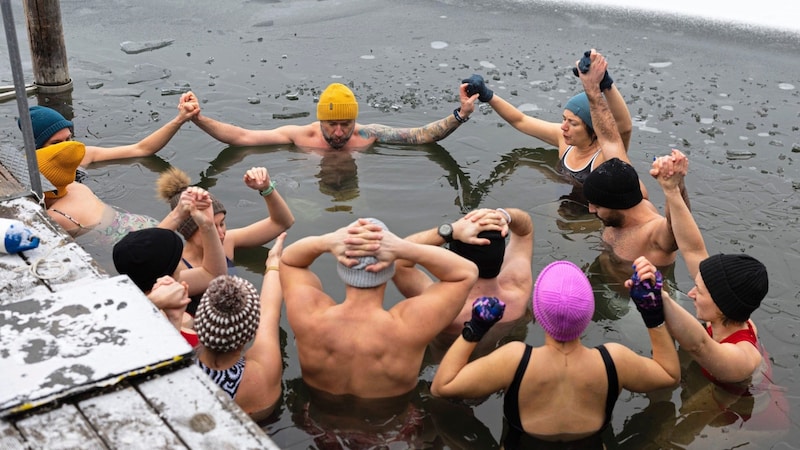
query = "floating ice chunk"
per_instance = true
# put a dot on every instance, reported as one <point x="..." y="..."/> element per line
<point x="661" y="65"/>
<point x="148" y="72"/>
<point x="131" y="47"/>
<point x="438" y="45"/>
<point x="785" y="86"/>
<point x="739" y="154"/>
<point x="487" y="65"/>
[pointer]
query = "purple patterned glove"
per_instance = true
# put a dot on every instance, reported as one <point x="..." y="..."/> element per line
<point x="647" y="298"/>
<point x="486" y="311"/>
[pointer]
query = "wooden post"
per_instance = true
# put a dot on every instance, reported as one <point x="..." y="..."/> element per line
<point x="48" y="52"/>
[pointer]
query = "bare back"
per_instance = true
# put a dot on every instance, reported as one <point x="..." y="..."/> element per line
<point x="358" y="349"/>
<point x="563" y="396"/>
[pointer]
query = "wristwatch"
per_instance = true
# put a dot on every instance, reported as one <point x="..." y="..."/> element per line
<point x="446" y="232"/>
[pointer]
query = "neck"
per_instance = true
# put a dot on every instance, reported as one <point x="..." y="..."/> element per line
<point x="218" y="361"/>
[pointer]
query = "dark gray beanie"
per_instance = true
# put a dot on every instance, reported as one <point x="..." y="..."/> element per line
<point x="736" y="283"/>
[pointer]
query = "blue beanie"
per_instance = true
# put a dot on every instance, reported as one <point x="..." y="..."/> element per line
<point x="579" y="105"/>
<point x="46" y="122"/>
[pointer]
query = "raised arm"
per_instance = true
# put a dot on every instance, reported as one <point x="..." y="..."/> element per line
<point x="261" y="386"/>
<point x="638" y="373"/>
<point x="432" y="132"/>
<point x="198" y="202"/>
<point x="670" y="172"/>
<point x="232" y="135"/>
<point x="549" y="132"/>
<point x="279" y="220"/>
<point x="411" y="281"/>
<point x="436" y="307"/>
<point x="147" y="146"/>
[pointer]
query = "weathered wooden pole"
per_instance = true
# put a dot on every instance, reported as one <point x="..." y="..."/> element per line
<point x="48" y="52"/>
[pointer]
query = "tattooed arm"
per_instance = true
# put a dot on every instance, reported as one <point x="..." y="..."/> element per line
<point x="432" y="132"/>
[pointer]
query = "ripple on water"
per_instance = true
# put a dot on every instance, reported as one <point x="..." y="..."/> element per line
<point x="438" y="45"/>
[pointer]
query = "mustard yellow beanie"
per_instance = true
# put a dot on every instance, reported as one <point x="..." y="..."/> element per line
<point x="58" y="163"/>
<point x="337" y="102"/>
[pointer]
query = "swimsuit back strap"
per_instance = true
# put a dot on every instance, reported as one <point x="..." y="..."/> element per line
<point x="68" y="217"/>
<point x="613" y="382"/>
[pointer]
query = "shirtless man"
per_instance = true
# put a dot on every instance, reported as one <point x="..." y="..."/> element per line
<point x="336" y="128"/>
<point x="633" y="226"/>
<point x="356" y="346"/>
<point x="504" y="271"/>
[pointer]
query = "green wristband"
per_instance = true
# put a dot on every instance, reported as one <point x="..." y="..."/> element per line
<point x="268" y="190"/>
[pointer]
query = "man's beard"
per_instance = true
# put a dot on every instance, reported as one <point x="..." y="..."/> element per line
<point x="614" y="219"/>
<point x="337" y="144"/>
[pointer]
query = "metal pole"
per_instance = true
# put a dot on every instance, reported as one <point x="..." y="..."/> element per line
<point x="22" y="99"/>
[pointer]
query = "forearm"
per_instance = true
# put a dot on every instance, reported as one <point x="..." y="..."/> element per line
<point x="521" y="223"/>
<point x="279" y="210"/>
<point x="440" y="262"/>
<point x="622" y="116"/>
<point x="427" y="237"/>
<point x="304" y="252"/>
<point x="664" y="352"/>
<point x="223" y="132"/>
<point x="507" y="111"/>
<point x="172" y="220"/>
<point x="214" y="261"/>
<point x="156" y="141"/>
<point x="604" y="125"/>
<point x="454" y="360"/>
<point x="684" y="327"/>
<point x="434" y="131"/>
<point x="687" y="233"/>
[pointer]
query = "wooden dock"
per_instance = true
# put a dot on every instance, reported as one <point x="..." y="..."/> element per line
<point x="88" y="362"/>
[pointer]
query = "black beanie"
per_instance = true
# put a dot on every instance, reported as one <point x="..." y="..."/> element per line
<point x="613" y="184"/>
<point x="147" y="255"/>
<point x="736" y="283"/>
<point x="488" y="258"/>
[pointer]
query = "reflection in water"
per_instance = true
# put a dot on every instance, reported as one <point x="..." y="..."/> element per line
<point x="414" y="420"/>
<point x="338" y="178"/>
<point x="608" y="274"/>
<point x="758" y="410"/>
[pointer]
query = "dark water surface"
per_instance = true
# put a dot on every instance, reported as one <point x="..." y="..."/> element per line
<point x="727" y="97"/>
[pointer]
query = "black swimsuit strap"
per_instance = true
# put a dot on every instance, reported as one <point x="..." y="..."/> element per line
<point x="511" y="399"/>
<point x="613" y="382"/>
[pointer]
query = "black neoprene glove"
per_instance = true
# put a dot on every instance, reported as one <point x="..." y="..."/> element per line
<point x="583" y="66"/>
<point x="486" y="311"/>
<point x="476" y="85"/>
<point x="646" y="295"/>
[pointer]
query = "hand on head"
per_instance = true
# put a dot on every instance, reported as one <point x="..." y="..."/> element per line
<point x="366" y="238"/>
<point x="479" y="220"/>
<point x="257" y="178"/>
